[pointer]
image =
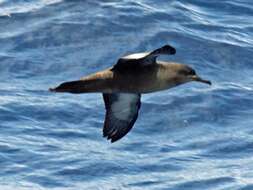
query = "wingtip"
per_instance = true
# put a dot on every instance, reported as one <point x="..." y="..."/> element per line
<point x="170" y="49"/>
<point x="113" y="140"/>
<point x="110" y="138"/>
<point x="166" y="49"/>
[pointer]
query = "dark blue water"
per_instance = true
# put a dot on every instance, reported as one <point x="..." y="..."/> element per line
<point x="190" y="137"/>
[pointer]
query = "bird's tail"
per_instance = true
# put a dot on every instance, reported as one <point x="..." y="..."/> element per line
<point x="71" y="87"/>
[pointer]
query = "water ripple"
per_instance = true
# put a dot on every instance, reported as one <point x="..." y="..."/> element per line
<point x="189" y="137"/>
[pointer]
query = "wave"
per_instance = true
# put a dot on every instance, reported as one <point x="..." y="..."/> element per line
<point x="7" y="8"/>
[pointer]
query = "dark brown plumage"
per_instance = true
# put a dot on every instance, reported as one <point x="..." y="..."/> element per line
<point x="123" y="84"/>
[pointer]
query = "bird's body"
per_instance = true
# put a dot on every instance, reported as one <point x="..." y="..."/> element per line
<point x="123" y="84"/>
<point x="154" y="77"/>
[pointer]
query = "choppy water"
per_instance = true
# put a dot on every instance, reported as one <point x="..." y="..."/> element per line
<point x="190" y="137"/>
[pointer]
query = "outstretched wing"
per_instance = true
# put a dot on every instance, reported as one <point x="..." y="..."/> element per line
<point x="121" y="114"/>
<point x="139" y="59"/>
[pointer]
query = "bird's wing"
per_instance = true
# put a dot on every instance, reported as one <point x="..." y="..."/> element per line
<point x="121" y="114"/>
<point x="140" y="59"/>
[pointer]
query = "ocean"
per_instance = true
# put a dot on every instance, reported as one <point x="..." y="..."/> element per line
<point x="192" y="137"/>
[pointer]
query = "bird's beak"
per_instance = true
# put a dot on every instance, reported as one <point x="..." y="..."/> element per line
<point x="198" y="79"/>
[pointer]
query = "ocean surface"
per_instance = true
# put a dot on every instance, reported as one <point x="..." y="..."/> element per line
<point x="193" y="137"/>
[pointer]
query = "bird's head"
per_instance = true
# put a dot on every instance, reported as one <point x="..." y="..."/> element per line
<point x="185" y="74"/>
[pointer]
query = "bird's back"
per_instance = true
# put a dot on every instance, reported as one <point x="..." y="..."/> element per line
<point x="144" y="79"/>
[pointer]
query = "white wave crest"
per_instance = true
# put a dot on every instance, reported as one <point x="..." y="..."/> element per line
<point x="7" y="8"/>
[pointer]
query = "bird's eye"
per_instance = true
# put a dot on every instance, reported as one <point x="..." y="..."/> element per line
<point x="192" y="72"/>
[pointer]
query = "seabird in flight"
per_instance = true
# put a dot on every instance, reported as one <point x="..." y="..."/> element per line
<point x="123" y="84"/>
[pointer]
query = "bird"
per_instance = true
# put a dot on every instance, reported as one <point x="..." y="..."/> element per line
<point x="123" y="84"/>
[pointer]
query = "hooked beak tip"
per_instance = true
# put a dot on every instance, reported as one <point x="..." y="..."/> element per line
<point x="196" y="78"/>
<point x="208" y="82"/>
